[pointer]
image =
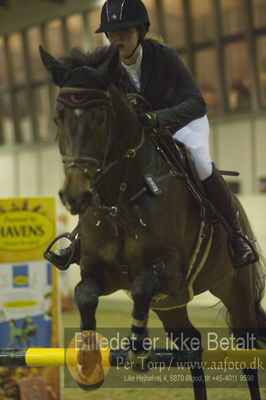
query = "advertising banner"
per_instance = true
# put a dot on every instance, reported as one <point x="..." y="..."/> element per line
<point x="28" y="294"/>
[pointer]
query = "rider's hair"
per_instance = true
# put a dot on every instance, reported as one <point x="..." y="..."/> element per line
<point x="156" y="38"/>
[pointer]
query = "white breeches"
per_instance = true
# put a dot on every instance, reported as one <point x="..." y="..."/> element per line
<point x="196" y="136"/>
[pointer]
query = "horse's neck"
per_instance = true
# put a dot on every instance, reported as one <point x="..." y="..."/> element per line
<point x="128" y="126"/>
<point x="128" y="136"/>
<point x="128" y="171"/>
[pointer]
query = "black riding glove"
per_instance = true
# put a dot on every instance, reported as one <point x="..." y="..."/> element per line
<point x="149" y="121"/>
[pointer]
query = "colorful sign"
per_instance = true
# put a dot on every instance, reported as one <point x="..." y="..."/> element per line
<point x="28" y="291"/>
<point x="26" y="228"/>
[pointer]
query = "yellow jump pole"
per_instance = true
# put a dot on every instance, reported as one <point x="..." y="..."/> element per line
<point x="43" y="357"/>
<point x="57" y="357"/>
<point x="32" y="357"/>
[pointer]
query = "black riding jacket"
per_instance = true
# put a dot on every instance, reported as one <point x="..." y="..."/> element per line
<point x="168" y="86"/>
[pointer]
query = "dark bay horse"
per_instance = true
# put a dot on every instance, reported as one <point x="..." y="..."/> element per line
<point x="139" y="222"/>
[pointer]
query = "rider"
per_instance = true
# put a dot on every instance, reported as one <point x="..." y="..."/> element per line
<point x="156" y="72"/>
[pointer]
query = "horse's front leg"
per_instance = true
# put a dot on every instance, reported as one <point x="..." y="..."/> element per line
<point x="143" y="289"/>
<point x="88" y="290"/>
<point x="87" y="294"/>
<point x="89" y="372"/>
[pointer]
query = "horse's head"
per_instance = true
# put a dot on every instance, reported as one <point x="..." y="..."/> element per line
<point x="85" y="119"/>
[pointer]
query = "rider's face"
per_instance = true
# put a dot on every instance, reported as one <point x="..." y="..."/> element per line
<point x="126" y="40"/>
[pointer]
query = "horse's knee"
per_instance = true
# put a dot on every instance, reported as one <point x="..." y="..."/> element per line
<point x="139" y="296"/>
<point x="144" y="287"/>
<point x="86" y="297"/>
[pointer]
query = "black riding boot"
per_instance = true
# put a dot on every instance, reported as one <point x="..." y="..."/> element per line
<point x="64" y="257"/>
<point x="219" y="194"/>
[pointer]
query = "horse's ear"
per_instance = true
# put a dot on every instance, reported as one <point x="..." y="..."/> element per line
<point x="55" y="68"/>
<point x="110" y="69"/>
<point x="113" y="61"/>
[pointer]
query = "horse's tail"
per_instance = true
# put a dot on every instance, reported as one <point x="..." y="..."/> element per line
<point x="259" y="281"/>
<point x="257" y="274"/>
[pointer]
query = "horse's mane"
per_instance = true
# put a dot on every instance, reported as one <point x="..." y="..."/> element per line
<point x="78" y="57"/>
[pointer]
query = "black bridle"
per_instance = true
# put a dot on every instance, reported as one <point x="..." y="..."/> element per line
<point x="77" y="98"/>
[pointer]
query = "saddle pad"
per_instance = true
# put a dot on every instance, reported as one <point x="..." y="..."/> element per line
<point x="197" y="261"/>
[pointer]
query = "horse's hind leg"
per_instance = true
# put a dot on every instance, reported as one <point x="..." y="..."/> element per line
<point x="177" y="325"/>
<point x="237" y="292"/>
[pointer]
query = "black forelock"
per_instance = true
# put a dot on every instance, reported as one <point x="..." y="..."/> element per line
<point x="78" y="57"/>
<point x="85" y="77"/>
<point x="83" y="68"/>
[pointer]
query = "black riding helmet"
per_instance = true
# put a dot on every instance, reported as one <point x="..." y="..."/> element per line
<point x="122" y="14"/>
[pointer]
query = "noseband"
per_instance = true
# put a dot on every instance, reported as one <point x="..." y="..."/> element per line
<point x="77" y="98"/>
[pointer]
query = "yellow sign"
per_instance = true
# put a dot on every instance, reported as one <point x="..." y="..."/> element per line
<point x="26" y="228"/>
<point x="21" y="303"/>
<point x="28" y="287"/>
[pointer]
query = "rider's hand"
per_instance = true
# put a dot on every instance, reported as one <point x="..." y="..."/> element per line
<point x="149" y="121"/>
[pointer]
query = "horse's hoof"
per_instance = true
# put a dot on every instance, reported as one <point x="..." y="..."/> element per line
<point x="87" y="363"/>
<point x="90" y="387"/>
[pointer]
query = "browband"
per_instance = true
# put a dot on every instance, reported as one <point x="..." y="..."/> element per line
<point x="77" y="97"/>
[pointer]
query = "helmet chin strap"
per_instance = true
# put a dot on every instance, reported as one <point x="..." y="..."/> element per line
<point x="131" y="54"/>
<point x="142" y="31"/>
